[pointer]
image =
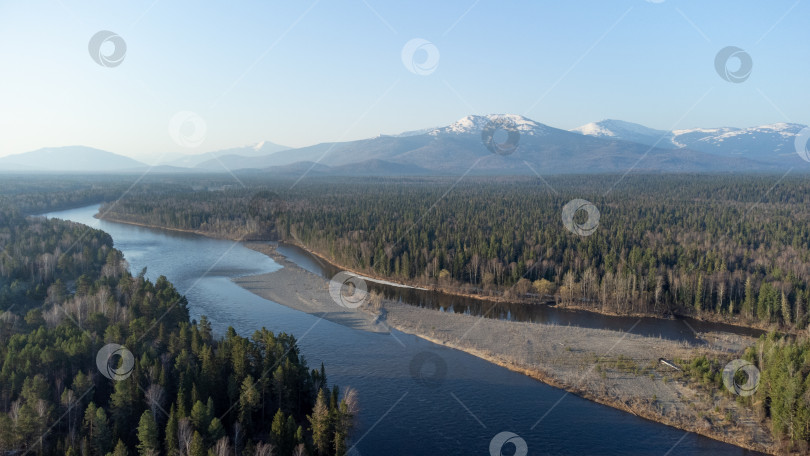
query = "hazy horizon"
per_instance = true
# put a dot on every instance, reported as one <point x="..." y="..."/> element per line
<point x="296" y="75"/>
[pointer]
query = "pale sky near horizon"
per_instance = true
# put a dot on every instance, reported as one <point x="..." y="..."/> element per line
<point x="300" y="73"/>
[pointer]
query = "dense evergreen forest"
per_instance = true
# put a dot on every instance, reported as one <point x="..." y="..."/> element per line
<point x="65" y="293"/>
<point x="720" y="247"/>
<point x="723" y="246"/>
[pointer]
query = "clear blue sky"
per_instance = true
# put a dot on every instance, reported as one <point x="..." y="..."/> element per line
<point x="303" y="72"/>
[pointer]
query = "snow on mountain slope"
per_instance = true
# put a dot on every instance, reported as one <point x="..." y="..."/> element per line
<point x="770" y="143"/>
<point x="627" y="131"/>
<point x="474" y="124"/>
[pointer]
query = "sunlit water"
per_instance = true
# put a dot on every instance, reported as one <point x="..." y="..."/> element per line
<point x="474" y="402"/>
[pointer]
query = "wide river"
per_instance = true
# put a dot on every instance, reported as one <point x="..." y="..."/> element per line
<point x="399" y="416"/>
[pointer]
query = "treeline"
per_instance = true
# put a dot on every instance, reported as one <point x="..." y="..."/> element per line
<point x="779" y="389"/>
<point x="188" y="393"/>
<point x="728" y="247"/>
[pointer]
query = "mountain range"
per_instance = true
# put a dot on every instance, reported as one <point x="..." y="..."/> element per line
<point x="599" y="147"/>
<point x="767" y="143"/>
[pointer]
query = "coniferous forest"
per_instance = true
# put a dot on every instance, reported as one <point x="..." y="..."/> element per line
<point x="65" y="293"/>
<point x="697" y="245"/>
<point x="718" y="247"/>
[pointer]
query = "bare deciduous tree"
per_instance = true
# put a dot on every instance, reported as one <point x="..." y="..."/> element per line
<point x="223" y="447"/>
<point x="154" y="399"/>
<point x="185" y="432"/>
<point x="264" y="449"/>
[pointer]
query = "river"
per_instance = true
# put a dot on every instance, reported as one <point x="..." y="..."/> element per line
<point x="399" y="416"/>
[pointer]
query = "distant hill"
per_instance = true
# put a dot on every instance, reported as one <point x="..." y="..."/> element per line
<point x="208" y="160"/>
<point x="69" y="159"/>
<point x="772" y="144"/>
<point x="366" y="168"/>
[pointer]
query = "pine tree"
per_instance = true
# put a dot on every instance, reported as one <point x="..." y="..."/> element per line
<point x="340" y="444"/>
<point x="197" y="447"/>
<point x="101" y="440"/>
<point x="199" y="416"/>
<point x="120" y="449"/>
<point x="248" y="400"/>
<point x="799" y="322"/>
<point x="147" y="435"/>
<point x="750" y="299"/>
<point x="319" y="424"/>
<point x="172" y="447"/>
<point x="280" y="434"/>
<point x="215" y="430"/>
<point x="786" y="314"/>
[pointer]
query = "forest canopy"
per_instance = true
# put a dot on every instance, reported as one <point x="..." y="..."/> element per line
<point x="720" y="247"/>
<point x="66" y="292"/>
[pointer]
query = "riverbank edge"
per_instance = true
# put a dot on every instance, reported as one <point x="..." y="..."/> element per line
<point x="496" y="359"/>
<point x="548" y="379"/>
<point x="448" y="291"/>
<point x="606" y="401"/>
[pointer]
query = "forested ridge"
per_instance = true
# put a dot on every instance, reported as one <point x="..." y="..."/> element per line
<point x="65" y="293"/>
<point x="722" y="247"/>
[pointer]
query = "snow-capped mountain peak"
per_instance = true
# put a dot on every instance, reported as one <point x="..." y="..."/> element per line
<point x="474" y="124"/>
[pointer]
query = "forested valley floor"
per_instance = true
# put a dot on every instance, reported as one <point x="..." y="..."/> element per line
<point x="731" y="248"/>
<point x="716" y="247"/>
